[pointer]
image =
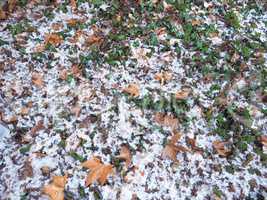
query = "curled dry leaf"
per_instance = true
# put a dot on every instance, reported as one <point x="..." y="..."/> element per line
<point x="163" y="77"/>
<point x="166" y="120"/>
<point x="125" y="154"/>
<point x="192" y="143"/>
<point x="221" y="148"/>
<point x="55" y="190"/>
<point x="132" y="89"/>
<point x="98" y="171"/>
<point x="182" y="94"/>
<point x="37" y="79"/>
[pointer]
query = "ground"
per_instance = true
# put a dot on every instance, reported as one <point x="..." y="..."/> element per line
<point x="131" y="99"/>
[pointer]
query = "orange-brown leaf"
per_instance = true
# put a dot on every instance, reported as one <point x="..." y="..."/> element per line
<point x="182" y="94"/>
<point x="3" y="14"/>
<point x="39" y="126"/>
<point x="221" y="149"/>
<point x="11" y="5"/>
<point x="263" y="140"/>
<point x="166" y="120"/>
<point x="73" y="4"/>
<point x="125" y="154"/>
<point x="163" y="77"/>
<point x="92" y="164"/>
<point x="55" y="190"/>
<point x="98" y="171"/>
<point x="53" y="39"/>
<point x="93" y="39"/>
<point x="37" y="79"/>
<point x="132" y="89"/>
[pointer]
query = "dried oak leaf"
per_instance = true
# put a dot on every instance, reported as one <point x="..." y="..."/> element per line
<point x="55" y="190"/>
<point x="163" y="77"/>
<point x="166" y="120"/>
<point x="132" y="89"/>
<point x="171" y="149"/>
<point x="98" y="171"/>
<point x="221" y="148"/>
<point x="125" y="154"/>
<point x="192" y="143"/>
<point x="53" y="39"/>
<point x="182" y="94"/>
<point x="37" y="79"/>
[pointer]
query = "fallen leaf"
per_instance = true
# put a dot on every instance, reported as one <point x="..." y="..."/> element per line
<point x="163" y="77"/>
<point x="182" y="94"/>
<point x="72" y="22"/>
<point x="132" y="89"/>
<point x="192" y="143"/>
<point x="3" y="14"/>
<point x="125" y="154"/>
<point x="55" y="190"/>
<point x="221" y="149"/>
<point x="39" y="126"/>
<point x="98" y="171"/>
<point x="263" y="140"/>
<point x="53" y="39"/>
<point x="24" y="111"/>
<point x="11" y="5"/>
<point x="166" y="120"/>
<point x="73" y="4"/>
<point x="57" y="26"/>
<point x="171" y="149"/>
<point x="93" y="39"/>
<point x="196" y="22"/>
<point x="37" y="79"/>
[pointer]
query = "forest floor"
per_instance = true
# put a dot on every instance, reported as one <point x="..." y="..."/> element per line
<point x="128" y="99"/>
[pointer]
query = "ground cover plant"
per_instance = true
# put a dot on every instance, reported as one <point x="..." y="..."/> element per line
<point x="133" y="100"/>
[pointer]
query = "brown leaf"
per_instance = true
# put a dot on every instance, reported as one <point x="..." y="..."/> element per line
<point x="72" y="22"/>
<point x="98" y="171"/>
<point x="37" y="79"/>
<point x="163" y="77"/>
<point x="93" y="39"/>
<point x="55" y="190"/>
<point x="166" y="120"/>
<point x="24" y="111"/>
<point x="53" y="39"/>
<point x="39" y="126"/>
<point x="263" y="140"/>
<point x="57" y="26"/>
<point x="132" y="89"/>
<point x="171" y="149"/>
<point x="125" y="154"/>
<point x="73" y="4"/>
<point x="196" y="22"/>
<point x="221" y="149"/>
<point x="182" y="94"/>
<point x="11" y="5"/>
<point x="192" y="143"/>
<point x="3" y="14"/>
